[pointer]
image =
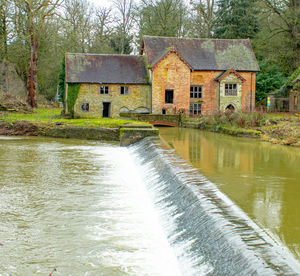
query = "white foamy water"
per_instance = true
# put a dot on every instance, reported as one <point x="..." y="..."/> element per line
<point x="81" y="209"/>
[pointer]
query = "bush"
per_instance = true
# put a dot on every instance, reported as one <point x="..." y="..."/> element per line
<point x="238" y="119"/>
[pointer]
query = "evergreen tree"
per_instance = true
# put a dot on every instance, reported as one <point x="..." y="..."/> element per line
<point x="236" y="19"/>
<point x="269" y="79"/>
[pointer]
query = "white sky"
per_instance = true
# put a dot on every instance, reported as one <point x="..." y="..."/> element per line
<point x="103" y="3"/>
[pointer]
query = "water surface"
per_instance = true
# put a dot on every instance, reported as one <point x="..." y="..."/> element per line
<point x="77" y="206"/>
<point x="262" y="178"/>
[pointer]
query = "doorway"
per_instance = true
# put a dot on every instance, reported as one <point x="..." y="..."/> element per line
<point x="106" y="110"/>
<point x="230" y="108"/>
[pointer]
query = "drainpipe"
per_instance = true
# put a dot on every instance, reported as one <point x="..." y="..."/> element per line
<point x="151" y="76"/>
<point x="251" y="92"/>
<point x="66" y="97"/>
<point x="219" y="100"/>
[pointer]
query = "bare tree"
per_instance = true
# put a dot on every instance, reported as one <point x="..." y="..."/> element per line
<point x="283" y="18"/>
<point x="125" y="20"/>
<point x="204" y="18"/>
<point x="5" y="31"/>
<point x="78" y="15"/>
<point x="36" y="12"/>
<point x="103" y="21"/>
<point x="163" y="18"/>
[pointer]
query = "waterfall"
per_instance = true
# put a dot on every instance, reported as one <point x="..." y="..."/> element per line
<point x="209" y="234"/>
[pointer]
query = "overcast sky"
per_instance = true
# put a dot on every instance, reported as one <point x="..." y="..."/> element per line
<point x="103" y="3"/>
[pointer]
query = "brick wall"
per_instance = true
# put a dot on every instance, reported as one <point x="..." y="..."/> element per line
<point x="171" y="73"/>
<point x="210" y="89"/>
<point x="246" y="90"/>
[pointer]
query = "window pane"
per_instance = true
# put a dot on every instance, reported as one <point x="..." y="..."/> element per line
<point x="85" y="107"/>
<point x="169" y="95"/>
<point x="196" y="92"/>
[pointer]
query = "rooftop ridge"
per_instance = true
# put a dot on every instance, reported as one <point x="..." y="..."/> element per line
<point x="110" y="55"/>
<point x="196" y="38"/>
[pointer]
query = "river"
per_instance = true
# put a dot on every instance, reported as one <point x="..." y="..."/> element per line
<point x="261" y="178"/>
<point x="91" y="208"/>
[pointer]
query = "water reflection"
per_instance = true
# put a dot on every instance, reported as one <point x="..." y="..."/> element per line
<point x="263" y="179"/>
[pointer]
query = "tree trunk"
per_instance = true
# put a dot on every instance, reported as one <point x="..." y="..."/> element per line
<point x="3" y="33"/>
<point x="5" y="76"/>
<point x="32" y="76"/>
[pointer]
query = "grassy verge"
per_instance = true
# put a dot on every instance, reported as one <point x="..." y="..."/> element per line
<point x="278" y="128"/>
<point x="51" y="117"/>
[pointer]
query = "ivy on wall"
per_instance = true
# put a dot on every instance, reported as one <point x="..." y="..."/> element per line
<point x="73" y="90"/>
<point x="62" y="81"/>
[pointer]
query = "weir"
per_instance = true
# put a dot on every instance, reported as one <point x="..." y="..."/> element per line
<point x="210" y="235"/>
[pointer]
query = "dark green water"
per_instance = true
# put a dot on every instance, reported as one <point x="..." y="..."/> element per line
<point x="261" y="178"/>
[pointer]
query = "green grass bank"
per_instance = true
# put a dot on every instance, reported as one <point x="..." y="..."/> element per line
<point x="277" y="128"/>
<point x="49" y="122"/>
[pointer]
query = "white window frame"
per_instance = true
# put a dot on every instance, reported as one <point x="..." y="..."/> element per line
<point x="195" y="109"/>
<point x="231" y="89"/>
<point x="125" y="90"/>
<point x="104" y="90"/>
<point x="196" y="92"/>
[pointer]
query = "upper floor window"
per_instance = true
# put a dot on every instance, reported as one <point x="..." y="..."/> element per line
<point x="230" y="89"/>
<point x="196" y="92"/>
<point x="103" y="89"/>
<point x="169" y="96"/>
<point x="124" y="90"/>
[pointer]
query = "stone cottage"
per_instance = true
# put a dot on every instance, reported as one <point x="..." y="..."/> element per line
<point x="170" y="76"/>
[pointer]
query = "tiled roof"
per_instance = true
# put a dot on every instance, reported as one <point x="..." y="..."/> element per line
<point x="204" y="54"/>
<point x="107" y="69"/>
<point x="226" y="73"/>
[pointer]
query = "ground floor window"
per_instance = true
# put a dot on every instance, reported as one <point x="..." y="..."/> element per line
<point x="163" y="111"/>
<point x="124" y="90"/>
<point x="103" y="89"/>
<point x="196" y="92"/>
<point x="169" y="96"/>
<point x="85" y="107"/>
<point x="195" y="109"/>
<point x="230" y="89"/>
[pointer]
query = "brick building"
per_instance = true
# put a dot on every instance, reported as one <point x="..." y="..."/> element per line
<point x="171" y="75"/>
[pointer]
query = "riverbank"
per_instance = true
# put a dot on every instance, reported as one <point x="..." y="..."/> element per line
<point x="48" y="122"/>
<point x="276" y="128"/>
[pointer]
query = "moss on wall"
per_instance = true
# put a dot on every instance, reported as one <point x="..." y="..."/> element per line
<point x="73" y="91"/>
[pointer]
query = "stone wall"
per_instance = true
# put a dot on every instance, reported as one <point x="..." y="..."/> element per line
<point x="138" y="99"/>
<point x="235" y="101"/>
<point x="171" y="73"/>
<point x="172" y="119"/>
